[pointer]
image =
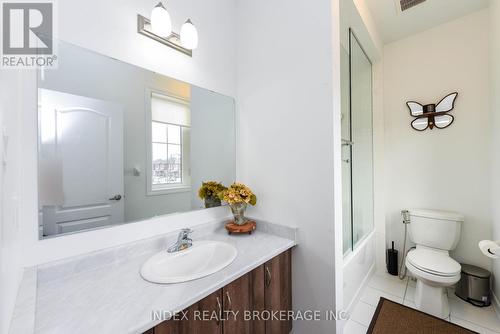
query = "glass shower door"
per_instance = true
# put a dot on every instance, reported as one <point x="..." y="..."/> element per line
<point x="357" y="146"/>
<point x="346" y="151"/>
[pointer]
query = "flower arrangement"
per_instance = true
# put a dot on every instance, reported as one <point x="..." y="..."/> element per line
<point x="239" y="193"/>
<point x="211" y="189"/>
<point x="211" y="192"/>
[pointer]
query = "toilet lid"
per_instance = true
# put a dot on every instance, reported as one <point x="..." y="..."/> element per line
<point x="434" y="262"/>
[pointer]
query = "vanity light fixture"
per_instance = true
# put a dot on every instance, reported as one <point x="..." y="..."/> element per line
<point x="189" y="35"/>
<point x="161" y="24"/>
<point x="159" y="28"/>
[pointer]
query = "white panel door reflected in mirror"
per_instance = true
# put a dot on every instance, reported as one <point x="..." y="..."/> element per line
<point x="119" y="144"/>
<point x="80" y="162"/>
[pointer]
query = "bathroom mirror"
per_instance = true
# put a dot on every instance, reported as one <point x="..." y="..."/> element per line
<point x="118" y="143"/>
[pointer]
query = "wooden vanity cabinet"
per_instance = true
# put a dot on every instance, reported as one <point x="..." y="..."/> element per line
<point x="166" y="327"/>
<point x="266" y="288"/>
<point x="258" y="299"/>
<point x="278" y="291"/>
<point x="210" y="306"/>
<point x="237" y="299"/>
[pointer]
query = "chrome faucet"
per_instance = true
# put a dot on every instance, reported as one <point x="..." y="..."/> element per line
<point x="183" y="241"/>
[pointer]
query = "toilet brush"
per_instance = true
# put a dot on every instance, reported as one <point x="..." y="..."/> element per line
<point x="392" y="261"/>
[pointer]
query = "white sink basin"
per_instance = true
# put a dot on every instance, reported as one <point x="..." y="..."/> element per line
<point x="202" y="259"/>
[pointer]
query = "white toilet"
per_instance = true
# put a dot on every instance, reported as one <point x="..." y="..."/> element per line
<point x="435" y="233"/>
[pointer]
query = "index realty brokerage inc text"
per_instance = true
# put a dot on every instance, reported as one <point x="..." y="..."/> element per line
<point x="251" y="315"/>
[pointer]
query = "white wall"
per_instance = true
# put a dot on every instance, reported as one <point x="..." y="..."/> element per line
<point x="495" y="130"/>
<point x="3" y="269"/>
<point x="110" y="28"/>
<point x="213" y="141"/>
<point x="288" y="102"/>
<point x="286" y="143"/>
<point x="12" y="102"/>
<point x="441" y="169"/>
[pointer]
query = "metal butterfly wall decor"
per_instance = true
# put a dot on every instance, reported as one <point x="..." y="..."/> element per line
<point x="433" y="115"/>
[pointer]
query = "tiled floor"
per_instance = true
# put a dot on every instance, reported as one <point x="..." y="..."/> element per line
<point x="481" y="320"/>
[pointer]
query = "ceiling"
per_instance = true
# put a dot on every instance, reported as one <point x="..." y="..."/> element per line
<point x="394" y="25"/>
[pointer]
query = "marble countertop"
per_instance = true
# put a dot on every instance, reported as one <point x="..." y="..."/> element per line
<point x="103" y="292"/>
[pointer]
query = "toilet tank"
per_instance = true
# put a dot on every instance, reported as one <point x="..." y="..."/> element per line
<point x="435" y="229"/>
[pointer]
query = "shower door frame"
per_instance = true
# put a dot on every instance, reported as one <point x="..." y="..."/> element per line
<point x="350" y="143"/>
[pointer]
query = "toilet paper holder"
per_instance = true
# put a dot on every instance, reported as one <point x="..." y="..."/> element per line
<point x="490" y="248"/>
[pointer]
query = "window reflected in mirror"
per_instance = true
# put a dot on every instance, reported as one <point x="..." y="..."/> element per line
<point x="170" y="138"/>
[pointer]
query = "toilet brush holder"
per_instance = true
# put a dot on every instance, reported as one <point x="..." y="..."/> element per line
<point x="392" y="261"/>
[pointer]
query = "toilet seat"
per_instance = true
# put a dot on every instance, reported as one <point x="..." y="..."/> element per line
<point x="433" y="263"/>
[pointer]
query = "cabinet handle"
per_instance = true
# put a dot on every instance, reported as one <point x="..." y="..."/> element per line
<point x="219" y="306"/>
<point x="268" y="277"/>
<point x="228" y="300"/>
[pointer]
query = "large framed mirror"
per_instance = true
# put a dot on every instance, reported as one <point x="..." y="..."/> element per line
<point x="119" y="144"/>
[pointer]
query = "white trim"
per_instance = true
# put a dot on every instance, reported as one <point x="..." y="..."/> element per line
<point x="169" y="190"/>
<point x="338" y="299"/>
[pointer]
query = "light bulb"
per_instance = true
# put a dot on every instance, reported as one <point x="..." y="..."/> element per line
<point x="189" y="35"/>
<point x="161" y="24"/>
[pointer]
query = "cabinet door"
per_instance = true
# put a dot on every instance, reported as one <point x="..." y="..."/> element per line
<point x="208" y="320"/>
<point x="278" y="291"/>
<point x="166" y="327"/>
<point x="258" y="300"/>
<point x="238" y="300"/>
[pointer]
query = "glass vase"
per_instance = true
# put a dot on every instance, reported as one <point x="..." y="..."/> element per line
<point x="212" y="202"/>
<point x="238" y="210"/>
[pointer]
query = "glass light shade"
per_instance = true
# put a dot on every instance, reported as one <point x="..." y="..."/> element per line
<point x="161" y="24"/>
<point x="189" y="35"/>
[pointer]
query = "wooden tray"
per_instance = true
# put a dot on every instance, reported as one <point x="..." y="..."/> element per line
<point x="249" y="227"/>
